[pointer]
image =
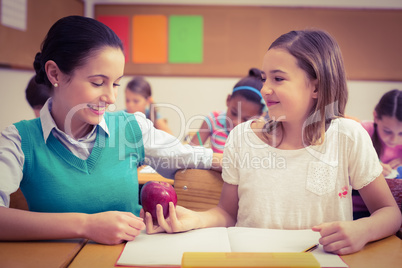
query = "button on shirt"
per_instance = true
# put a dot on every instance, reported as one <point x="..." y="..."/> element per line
<point x="163" y="152"/>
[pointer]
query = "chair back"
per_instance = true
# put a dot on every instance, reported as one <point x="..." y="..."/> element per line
<point x="198" y="189"/>
<point x="17" y="200"/>
<point x="395" y="185"/>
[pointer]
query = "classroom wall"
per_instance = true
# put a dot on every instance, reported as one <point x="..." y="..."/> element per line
<point x="183" y="101"/>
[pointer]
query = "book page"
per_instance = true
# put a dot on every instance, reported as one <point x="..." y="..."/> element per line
<point x="269" y="240"/>
<point x="167" y="249"/>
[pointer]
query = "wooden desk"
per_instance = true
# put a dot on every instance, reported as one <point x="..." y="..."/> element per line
<point x="41" y="254"/>
<point x="384" y="253"/>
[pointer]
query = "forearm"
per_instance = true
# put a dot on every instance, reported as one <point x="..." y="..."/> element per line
<point x="216" y="217"/>
<point x="26" y="225"/>
<point x="382" y="223"/>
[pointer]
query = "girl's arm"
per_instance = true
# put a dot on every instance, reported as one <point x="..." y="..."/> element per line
<point x="162" y="125"/>
<point x="204" y="134"/>
<point x="107" y="228"/>
<point x="181" y="219"/>
<point x="351" y="236"/>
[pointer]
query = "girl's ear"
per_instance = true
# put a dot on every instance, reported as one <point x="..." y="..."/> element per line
<point x="375" y="116"/>
<point x="315" y="92"/>
<point x="150" y="100"/>
<point x="52" y="72"/>
<point x="228" y="100"/>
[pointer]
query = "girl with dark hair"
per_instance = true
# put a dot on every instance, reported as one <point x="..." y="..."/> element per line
<point x="386" y="134"/>
<point x="386" y="130"/>
<point x="37" y="95"/>
<point x="139" y="99"/>
<point x="243" y="104"/>
<point x="77" y="163"/>
<point x="297" y="170"/>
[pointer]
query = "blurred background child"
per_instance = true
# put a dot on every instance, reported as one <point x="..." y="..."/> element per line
<point x="386" y="134"/>
<point x="139" y="99"/>
<point x="386" y="130"/>
<point x="243" y="104"/>
<point x="36" y="95"/>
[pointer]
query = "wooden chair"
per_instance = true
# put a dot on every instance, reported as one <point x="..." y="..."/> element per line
<point x="395" y="185"/>
<point x="198" y="189"/>
<point x="17" y="200"/>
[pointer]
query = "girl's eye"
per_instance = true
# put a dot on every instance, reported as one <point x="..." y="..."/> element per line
<point x="279" y="79"/>
<point x="97" y="84"/>
<point x="116" y="85"/>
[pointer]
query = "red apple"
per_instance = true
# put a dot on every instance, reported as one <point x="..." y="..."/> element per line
<point x="157" y="192"/>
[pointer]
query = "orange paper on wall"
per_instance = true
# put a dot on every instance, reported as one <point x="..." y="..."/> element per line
<point x="149" y="34"/>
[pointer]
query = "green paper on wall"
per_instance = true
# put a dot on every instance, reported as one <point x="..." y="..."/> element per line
<point x="186" y="39"/>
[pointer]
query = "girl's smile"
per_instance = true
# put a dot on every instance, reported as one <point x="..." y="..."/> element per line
<point x="271" y="103"/>
<point x="98" y="110"/>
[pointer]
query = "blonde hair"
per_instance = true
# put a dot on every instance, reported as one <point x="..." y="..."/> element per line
<point x="319" y="55"/>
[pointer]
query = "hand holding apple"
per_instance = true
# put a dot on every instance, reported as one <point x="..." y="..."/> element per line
<point x="157" y="192"/>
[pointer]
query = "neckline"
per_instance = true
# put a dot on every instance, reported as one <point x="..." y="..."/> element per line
<point x="87" y="165"/>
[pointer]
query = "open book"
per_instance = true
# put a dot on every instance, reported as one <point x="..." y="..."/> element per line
<point x="167" y="249"/>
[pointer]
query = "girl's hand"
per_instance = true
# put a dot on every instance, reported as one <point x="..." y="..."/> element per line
<point x="180" y="220"/>
<point x="386" y="169"/>
<point x="343" y="237"/>
<point x="113" y="227"/>
<point x="394" y="163"/>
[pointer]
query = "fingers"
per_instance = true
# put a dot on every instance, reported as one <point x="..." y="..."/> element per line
<point x="326" y="229"/>
<point x="172" y="215"/>
<point x="395" y="163"/>
<point x="335" y="238"/>
<point x="161" y="219"/>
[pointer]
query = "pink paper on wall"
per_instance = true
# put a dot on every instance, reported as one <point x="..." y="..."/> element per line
<point x="121" y="26"/>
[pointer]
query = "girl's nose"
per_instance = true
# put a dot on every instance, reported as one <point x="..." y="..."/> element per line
<point x="266" y="90"/>
<point x="109" y="96"/>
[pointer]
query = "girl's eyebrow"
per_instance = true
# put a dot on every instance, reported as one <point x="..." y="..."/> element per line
<point x="97" y="75"/>
<point x="277" y="71"/>
<point x="104" y="76"/>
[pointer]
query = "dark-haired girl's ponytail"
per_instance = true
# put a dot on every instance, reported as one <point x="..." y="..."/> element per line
<point x="254" y="72"/>
<point x="41" y="77"/>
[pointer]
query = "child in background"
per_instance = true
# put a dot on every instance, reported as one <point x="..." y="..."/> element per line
<point x="297" y="170"/>
<point x="386" y="134"/>
<point x="139" y="99"/>
<point x="77" y="163"/>
<point x="386" y="130"/>
<point x="37" y="95"/>
<point x="243" y="104"/>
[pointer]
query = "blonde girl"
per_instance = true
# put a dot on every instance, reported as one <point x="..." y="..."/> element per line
<point x="297" y="171"/>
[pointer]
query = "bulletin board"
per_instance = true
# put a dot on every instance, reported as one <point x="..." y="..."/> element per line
<point x="17" y="47"/>
<point x="235" y="38"/>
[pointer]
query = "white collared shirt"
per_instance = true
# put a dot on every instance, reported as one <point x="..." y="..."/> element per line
<point x="163" y="152"/>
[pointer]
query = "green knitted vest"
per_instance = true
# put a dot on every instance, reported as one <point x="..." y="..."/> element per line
<point x="55" y="180"/>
